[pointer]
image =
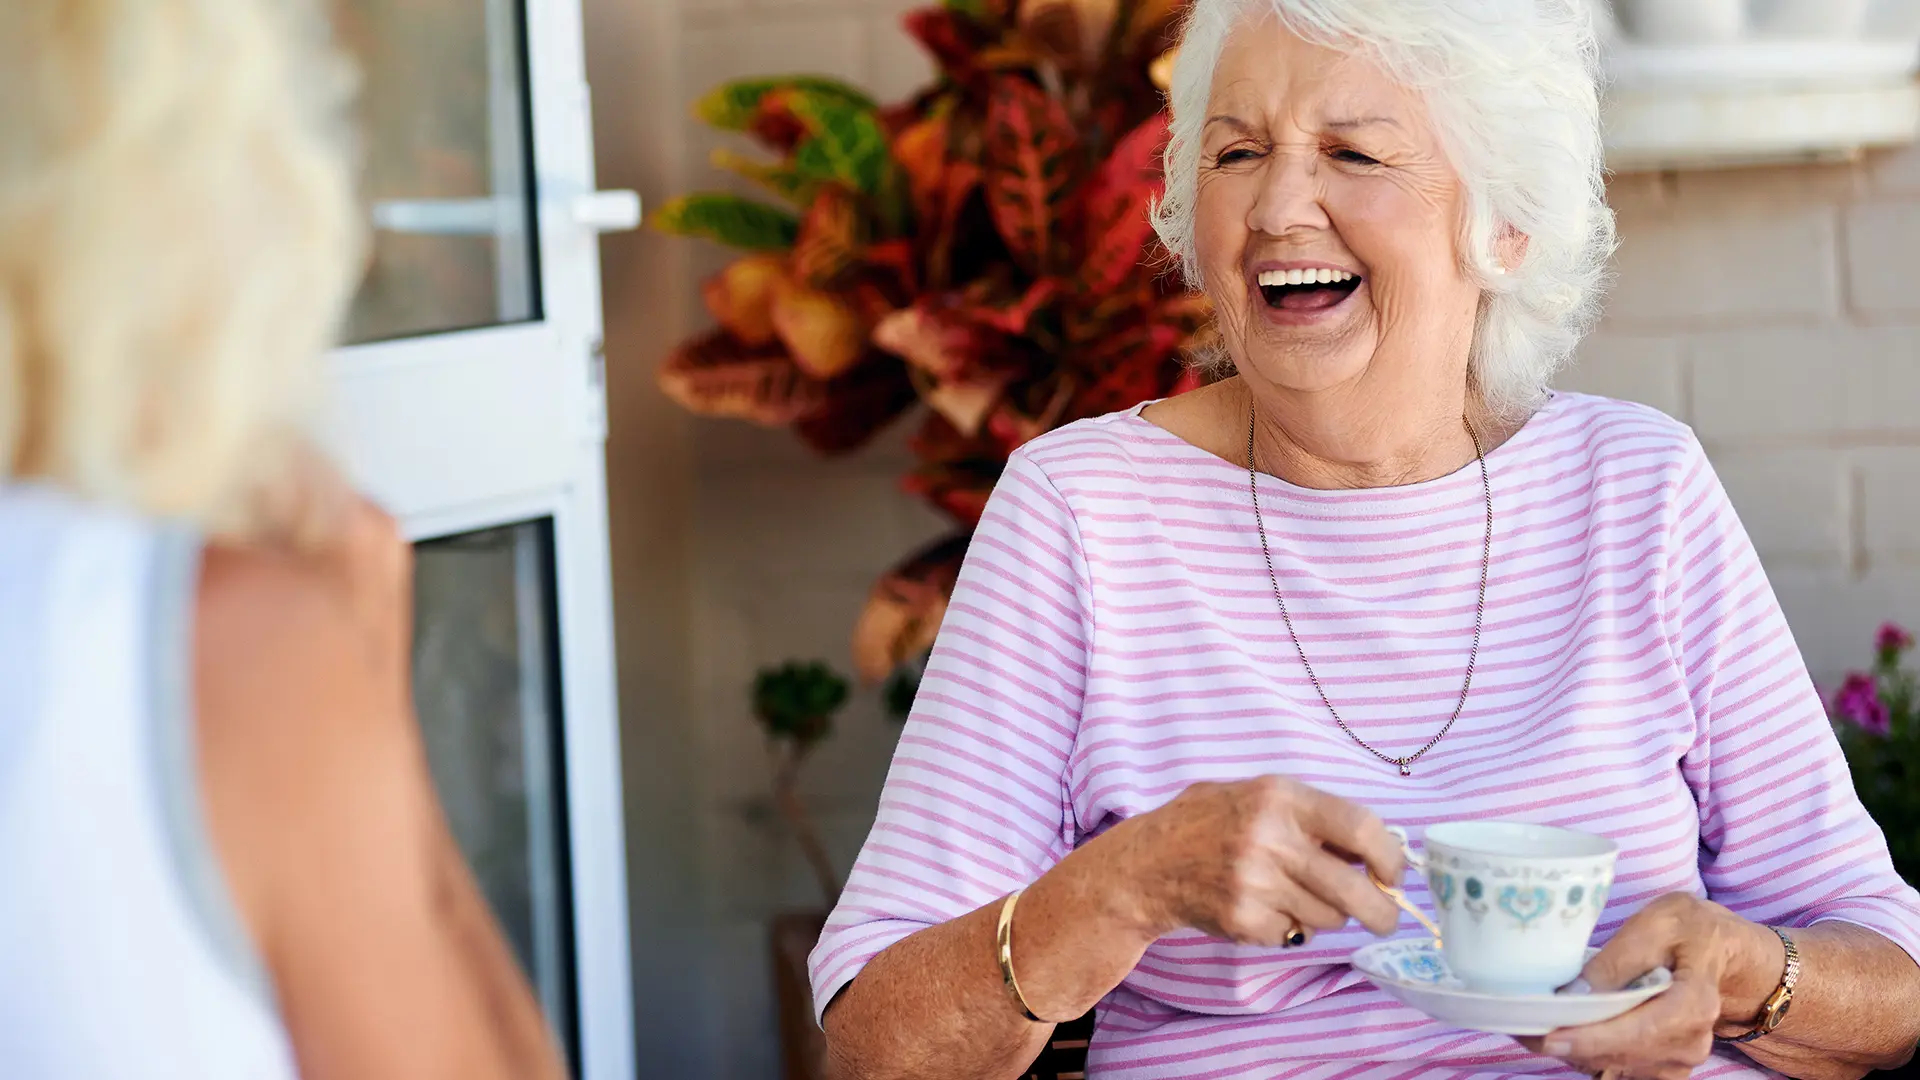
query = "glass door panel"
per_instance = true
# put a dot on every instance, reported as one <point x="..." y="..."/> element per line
<point x="443" y="110"/>
<point x="487" y="692"/>
<point x="467" y="400"/>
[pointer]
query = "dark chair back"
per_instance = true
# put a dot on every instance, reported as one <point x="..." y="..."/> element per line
<point x="1065" y="1057"/>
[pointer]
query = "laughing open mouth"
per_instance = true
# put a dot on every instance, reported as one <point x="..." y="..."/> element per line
<point x="1306" y="290"/>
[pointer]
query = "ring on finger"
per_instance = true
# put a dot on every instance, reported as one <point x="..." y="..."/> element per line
<point x="1296" y="937"/>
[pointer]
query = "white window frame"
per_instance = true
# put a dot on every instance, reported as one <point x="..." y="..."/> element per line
<point x="469" y="430"/>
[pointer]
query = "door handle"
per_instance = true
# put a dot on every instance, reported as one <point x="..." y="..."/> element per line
<point x="607" y="211"/>
<point x="598" y="211"/>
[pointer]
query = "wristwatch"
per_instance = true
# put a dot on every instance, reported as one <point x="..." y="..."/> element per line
<point x="1774" y="1010"/>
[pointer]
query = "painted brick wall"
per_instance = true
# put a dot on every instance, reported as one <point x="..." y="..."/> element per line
<point x="1777" y="311"/>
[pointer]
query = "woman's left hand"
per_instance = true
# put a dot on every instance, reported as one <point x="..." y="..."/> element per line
<point x="1724" y="968"/>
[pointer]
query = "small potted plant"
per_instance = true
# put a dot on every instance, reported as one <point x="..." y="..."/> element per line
<point x="1878" y="716"/>
<point x="795" y="704"/>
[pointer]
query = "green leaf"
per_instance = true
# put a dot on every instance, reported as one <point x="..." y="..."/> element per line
<point x="730" y="220"/>
<point x="972" y="9"/>
<point x="902" y="687"/>
<point x="783" y="180"/>
<point x="844" y="143"/>
<point x="731" y="106"/>
<point x="797" y="700"/>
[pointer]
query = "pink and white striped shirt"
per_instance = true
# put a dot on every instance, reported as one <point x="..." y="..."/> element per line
<point x="1114" y="639"/>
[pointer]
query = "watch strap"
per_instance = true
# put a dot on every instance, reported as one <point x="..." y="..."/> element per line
<point x="1774" y="1010"/>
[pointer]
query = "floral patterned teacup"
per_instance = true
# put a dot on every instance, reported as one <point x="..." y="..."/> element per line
<point x="1516" y="903"/>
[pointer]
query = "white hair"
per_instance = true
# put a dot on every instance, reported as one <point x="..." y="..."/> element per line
<point x="178" y="238"/>
<point x="1512" y="86"/>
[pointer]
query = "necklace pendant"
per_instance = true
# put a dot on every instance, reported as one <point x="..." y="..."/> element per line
<point x="1406" y="769"/>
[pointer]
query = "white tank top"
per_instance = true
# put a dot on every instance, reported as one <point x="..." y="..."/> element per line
<point x="121" y="953"/>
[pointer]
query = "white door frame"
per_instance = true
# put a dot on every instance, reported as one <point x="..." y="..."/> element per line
<point x="469" y="430"/>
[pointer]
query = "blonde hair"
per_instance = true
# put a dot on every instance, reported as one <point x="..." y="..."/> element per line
<point x="178" y="239"/>
<point x="1513" y="89"/>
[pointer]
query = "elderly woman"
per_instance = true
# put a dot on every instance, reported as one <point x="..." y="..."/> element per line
<point x="1203" y="650"/>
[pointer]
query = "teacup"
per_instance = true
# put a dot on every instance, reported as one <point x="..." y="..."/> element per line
<point x="1516" y="903"/>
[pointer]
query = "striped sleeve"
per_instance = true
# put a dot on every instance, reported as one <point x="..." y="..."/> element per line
<point x="1783" y="838"/>
<point x="975" y="804"/>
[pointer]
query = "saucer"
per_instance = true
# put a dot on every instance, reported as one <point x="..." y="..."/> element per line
<point x="1415" y="973"/>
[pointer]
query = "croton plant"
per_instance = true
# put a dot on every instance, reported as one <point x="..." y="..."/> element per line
<point x="979" y="256"/>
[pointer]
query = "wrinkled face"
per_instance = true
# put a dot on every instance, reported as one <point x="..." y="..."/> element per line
<point x="1327" y="221"/>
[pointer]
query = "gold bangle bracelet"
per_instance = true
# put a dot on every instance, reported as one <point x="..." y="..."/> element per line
<point x="1005" y="938"/>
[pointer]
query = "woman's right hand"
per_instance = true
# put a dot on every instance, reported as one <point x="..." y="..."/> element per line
<point x="1255" y="860"/>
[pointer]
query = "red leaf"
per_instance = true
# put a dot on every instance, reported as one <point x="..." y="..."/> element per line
<point x="966" y="403"/>
<point x="740" y="297"/>
<point x="830" y="236"/>
<point x="720" y="375"/>
<point x="957" y="471"/>
<point x="1015" y="428"/>
<point x="894" y="258"/>
<point x="857" y="406"/>
<point x="940" y="182"/>
<point x="933" y="338"/>
<point x="940" y="228"/>
<point x="775" y="124"/>
<point x="1030" y="142"/>
<point x="939" y="442"/>
<point x="920" y="149"/>
<point x="1119" y="252"/>
<point x="1137" y="363"/>
<point x="1130" y="172"/>
<point x="950" y="39"/>
<point x="1125" y="389"/>
<point x="960" y="494"/>
<point x="1012" y="319"/>
<point x="903" y="613"/>
<point x="825" y="333"/>
<point x="1147" y="339"/>
<point x="1117" y="230"/>
<point x="1070" y="33"/>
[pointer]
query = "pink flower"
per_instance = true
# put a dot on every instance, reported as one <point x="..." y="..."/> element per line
<point x="1859" y="704"/>
<point x="1892" y="638"/>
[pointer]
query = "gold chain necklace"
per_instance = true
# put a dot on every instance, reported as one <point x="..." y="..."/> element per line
<point x="1479" y="614"/>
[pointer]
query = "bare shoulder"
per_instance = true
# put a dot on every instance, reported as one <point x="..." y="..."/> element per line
<point x="1212" y="417"/>
<point x="306" y="645"/>
<point x="302" y="724"/>
<point x="298" y="652"/>
<point x="268" y="624"/>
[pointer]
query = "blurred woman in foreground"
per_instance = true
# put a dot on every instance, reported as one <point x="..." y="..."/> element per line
<point x="223" y="855"/>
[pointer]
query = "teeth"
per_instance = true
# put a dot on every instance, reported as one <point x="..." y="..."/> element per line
<point x="1317" y="276"/>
